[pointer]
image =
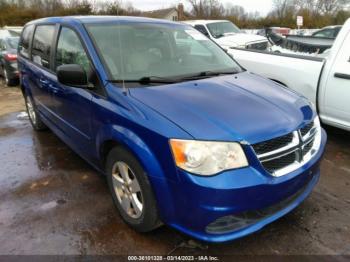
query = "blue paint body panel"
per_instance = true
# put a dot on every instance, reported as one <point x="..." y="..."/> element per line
<point x="242" y="107"/>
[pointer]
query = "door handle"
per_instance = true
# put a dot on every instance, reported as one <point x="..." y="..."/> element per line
<point x="54" y="89"/>
<point x="43" y="81"/>
<point x="341" y="75"/>
<point x="57" y="89"/>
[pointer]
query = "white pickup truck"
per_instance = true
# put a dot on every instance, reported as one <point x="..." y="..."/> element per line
<point x="324" y="81"/>
<point x="228" y="35"/>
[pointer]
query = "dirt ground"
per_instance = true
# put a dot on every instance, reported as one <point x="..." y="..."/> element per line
<point x="52" y="202"/>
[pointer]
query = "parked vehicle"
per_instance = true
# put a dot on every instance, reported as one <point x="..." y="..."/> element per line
<point x="324" y="81"/>
<point x="185" y="138"/>
<point x="276" y="30"/>
<point x="228" y="35"/>
<point x="300" y="43"/>
<point x="10" y="31"/>
<point x="328" y="32"/>
<point x="8" y="60"/>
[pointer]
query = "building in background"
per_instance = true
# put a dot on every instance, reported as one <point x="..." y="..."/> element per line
<point x="172" y="14"/>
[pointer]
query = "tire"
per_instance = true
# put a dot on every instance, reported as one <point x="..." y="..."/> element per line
<point x="33" y="115"/>
<point x="142" y="218"/>
<point x="8" y="81"/>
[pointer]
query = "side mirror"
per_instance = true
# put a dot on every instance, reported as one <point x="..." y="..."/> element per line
<point x="72" y="75"/>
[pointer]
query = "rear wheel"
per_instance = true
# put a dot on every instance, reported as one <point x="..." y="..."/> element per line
<point x="33" y="115"/>
<point x="131" y="190"/>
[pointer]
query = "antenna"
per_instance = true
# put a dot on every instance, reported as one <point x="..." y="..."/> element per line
<point x="125" y="91"/>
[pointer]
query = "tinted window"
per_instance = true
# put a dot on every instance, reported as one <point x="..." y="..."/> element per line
<point x="42" y="45"/>
<point x="336" y="31"/>
<point x="201" y="29"/>
<point x="325" y="33"/>
<point x="25" y="40"/>
<point x="70" y="50"/>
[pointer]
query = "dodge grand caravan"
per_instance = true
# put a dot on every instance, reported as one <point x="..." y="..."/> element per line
<point x="184" y="135"/>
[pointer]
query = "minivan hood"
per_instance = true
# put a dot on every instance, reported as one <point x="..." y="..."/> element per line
<point x="239" y="39"/>
<point x="241" y="107"/>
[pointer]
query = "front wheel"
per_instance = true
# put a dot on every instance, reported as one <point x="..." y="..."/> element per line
<point x="131" y="190"/>
<point x="33" y="115"/>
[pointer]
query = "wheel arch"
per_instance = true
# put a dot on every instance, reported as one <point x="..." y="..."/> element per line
<point x="114" y="136"/>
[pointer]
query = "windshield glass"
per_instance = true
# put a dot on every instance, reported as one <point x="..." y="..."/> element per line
<point x="12" y="42"/>
<point x="132" y="51"/>
<point x="220" y="29"/>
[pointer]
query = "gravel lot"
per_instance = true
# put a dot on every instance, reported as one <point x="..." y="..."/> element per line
<point x="52" y="202"/>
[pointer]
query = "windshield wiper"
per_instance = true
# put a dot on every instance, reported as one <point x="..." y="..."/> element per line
<point x="146" y="80"/>
<point x="164" y="80"/>
<point x="206" y="74"/>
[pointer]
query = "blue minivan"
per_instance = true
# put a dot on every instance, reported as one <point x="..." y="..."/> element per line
<point x="183" y="133"/>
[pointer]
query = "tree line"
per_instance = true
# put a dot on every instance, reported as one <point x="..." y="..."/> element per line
<point x="316" y="13"/>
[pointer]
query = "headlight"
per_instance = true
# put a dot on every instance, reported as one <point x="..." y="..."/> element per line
<point x="207" y="158"/>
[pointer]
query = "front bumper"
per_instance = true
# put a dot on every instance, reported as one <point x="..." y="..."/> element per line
<point x="203" y="204"/>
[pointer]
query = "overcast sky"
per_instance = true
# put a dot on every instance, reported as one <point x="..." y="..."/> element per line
<point x="262" y="6"/>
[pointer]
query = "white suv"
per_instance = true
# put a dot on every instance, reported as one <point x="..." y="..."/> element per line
<point x="228" y="35"/>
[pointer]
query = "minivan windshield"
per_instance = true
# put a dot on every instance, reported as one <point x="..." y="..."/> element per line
<point x="132" y="51"/>
<point x="219" y="29"/>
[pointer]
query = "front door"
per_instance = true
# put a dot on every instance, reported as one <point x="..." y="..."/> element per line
<point x="337" y="93"/>
<point x="72" y="105"/>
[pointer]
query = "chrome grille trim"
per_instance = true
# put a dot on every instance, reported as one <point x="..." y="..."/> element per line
<point x="310" y="134"/>
<point x="298" y="146"/>
<point x="262" y="160"/>
<point x="294" y="143"/>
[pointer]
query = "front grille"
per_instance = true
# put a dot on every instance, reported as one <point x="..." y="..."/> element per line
<point x="306" y="128"/>
<point x="277" y="154"/>
<point x="273" y="144"/>
<point x="279" y="163"/>
<point x="308" y="147"/>
<point x="258" y="46"/>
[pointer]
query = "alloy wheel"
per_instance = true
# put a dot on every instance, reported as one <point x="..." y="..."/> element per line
<point x="127" y="189"/>
<point x="31" y="110"/>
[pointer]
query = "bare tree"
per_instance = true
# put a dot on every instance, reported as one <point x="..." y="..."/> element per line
<point x="206" y="8"/>
<point x="282" y="7"/>
<point x="235" y="11"/>
<point x="318" y="7"/>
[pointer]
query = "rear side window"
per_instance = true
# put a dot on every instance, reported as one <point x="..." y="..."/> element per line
<point x="42" y="43"/>
<point x="325" y="33"/>
<point x="70" y="50"/>
<point x="25" y="40"/>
